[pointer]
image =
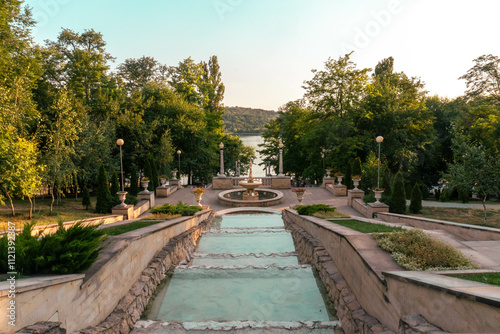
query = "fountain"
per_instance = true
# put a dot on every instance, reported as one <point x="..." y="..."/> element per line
<point x="250" y="185"/>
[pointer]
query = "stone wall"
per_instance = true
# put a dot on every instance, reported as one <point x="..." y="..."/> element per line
<point x="280" y="182"/>
<point x="463" y="231"/>
<point x="360" y="206"/>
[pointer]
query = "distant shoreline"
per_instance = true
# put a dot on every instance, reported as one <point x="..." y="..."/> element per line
<point x="245" y="133"/>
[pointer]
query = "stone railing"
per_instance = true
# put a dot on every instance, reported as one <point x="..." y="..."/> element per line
<point x="232" y="182"/>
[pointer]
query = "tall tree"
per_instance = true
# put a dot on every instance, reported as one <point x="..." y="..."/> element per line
<point x="186" y="79"/>
<point x="136" y="73"/>
<point x="212" y="90"/>
<point x="483" y="79"/>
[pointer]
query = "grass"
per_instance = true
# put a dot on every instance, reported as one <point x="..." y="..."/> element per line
<point x="488" y="278"/>
<point x="162" y="216"/>
<point x="460" y="215"/>
<point x="120" y="229"/>
<point x="68" y="210"/>
<point x="415" y="250"/>
<point x="330" y="214"/>
<point x="366" y="227"/>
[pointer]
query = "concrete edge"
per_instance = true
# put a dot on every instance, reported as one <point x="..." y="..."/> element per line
<point x="33" y="283"/>
<point x="247" y="210"/>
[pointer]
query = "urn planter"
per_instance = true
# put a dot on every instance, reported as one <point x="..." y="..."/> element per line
<point x="356" y="183"/>
<point x="145" y="184"/>
<point x="378" y="196"/>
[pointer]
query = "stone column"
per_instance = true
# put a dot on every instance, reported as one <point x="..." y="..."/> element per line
<point x="281" y="163"/>
<point x="221" y="173"/>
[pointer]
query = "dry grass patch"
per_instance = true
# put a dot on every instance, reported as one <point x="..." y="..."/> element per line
<point x="463" y="216"/>
<point x="330" y="215"/>
<point x="162" y="216"/>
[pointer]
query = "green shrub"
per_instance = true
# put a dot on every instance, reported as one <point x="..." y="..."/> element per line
<point x="86" y="198"/>
<point x="369" y="198"/>
<point x="131" y="200"/>
<point x="416" y="199"/>
<point x="445" y="195"/>
<point x="181" y="209"/>
<point x="398" y="197"/>
<point x="308" y="210"/>
<point x="356" y="168"/>
<point x="134" y="181"/>
<point x="415" y="250"/>
<point x="148" y="172"/>
<point x="154" y="174"/>
<point x="104" y="199"/>
<point x="115" y="184"/>
<point x="64" y="252"/>
<point x="347" y="181"/>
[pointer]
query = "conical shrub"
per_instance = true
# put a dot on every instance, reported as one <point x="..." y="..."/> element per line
<point x="134" y="181"/>
<point x="104" y="199"/>
<point x="416" y="200"/>
<point x="398" y="197"/>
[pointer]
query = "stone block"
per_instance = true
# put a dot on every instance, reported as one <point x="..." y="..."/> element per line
<point x="352" y="194"/>
<point x="281" y="182"/>
<point x="147" y="196"/>
<point x="339" y="190"/>
<point x="374" y="208"/>
<point x="328" y="180"/>
<point x="127" y="212"/>
<point x="222" y="183"/>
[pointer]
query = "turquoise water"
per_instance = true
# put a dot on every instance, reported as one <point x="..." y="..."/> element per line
<point x="242" y="276"/>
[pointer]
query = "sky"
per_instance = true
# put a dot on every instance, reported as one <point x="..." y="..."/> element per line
<point x="267" y="48"/>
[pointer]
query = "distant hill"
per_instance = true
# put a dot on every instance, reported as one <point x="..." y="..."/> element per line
<point x="247" y="120"/>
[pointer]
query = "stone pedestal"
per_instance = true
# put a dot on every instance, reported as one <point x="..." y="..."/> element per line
<point x="127" y="211"/>
<point x="373" y="208"/>
<point x="328" y="180"/>
<point x="351" y="194"/>
<point x="222" y="183"/>
<point x="163" y="191"/>
<point x="339" y="190"/>
<point x="148" y="196"/>
<point x="280" y="182"/>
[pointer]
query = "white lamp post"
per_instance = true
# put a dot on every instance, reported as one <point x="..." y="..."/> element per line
<point x="121" y="194"/>
<point x="179" y="170"/>
<point x="281" y="159"/>
<point x="221" y="173"/>
<point x="379" y="139"/>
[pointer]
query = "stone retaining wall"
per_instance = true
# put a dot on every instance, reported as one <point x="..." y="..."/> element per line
<point x="463" y="231"/>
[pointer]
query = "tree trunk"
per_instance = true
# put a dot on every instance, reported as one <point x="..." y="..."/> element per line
<point x="31" y="207"/>
<point x="52" y="203"/>
<point x="11" y="204"/>
<point x="484" y="208"/>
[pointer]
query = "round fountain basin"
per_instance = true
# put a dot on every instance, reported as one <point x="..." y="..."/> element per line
<point x="266" y="197"/>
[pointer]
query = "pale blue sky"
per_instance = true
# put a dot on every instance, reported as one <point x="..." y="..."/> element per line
<point x="267" y="48"/>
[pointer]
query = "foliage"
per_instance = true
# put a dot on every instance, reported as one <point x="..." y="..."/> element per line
<point x="347" y="181"/>
<point x="162" y="216"/>
<point x="416" y="199"/>
<point x="134" y="181"/>
<point x="487" y="278"/>
<point x="148" y="175"/>
<point x="154" y="174"/>
<point x="104" y="199"/>
<point x="115" y="184"/>
<point x="357" y="169"/>
<point x="309" y="210"/>
<point x="369" y="198"/>
<point x="330" y="215"/>
<point x="86" y="198"/>
<point x="120" y="229"/>
<point x="181" y="209"/>
<point x="398" y="197"/>
<point x="367" y="227"/>
<point x="415" y="250"/>
<point x="64" y="252"/>
<point x="483" y="78"/>
<point x="247" y="120"/>
<point x="198" y="191"/>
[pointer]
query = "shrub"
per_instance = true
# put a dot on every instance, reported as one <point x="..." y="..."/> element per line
<point x="369" y="198"/>
<point x="415" y="250"/>
<point x="131" y="199"/>
<point x="308" y="210"/>
<point x="86" y="198"/>
<point x="356" y="167"/>
<point x="148" y="172"/>
<point x="134" y="181"/>
<point x="181" y="209"/>
<point x="115" y="184"/>
<point x="154" y="175"/>
<point x="398" y="197"/>
<point x="416" y="199"/>
<point x="347" y="181"/>
<point x="104" y="199"/>
<point x="64" y="252"/>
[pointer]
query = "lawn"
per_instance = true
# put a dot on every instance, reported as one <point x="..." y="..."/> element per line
<point x="488" y="278"/>
<point x="68" y="210"/>
<point x="464" y="216"/>
<point x="120" y="229"/>
<point x="366" y="227"/>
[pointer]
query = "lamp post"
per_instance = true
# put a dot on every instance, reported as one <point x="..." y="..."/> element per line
<point x="121" y="194"/>
<point x="379" y="139"/>
<point x="221" y="173"/>
<point x="280" y="170"/>
<point x="179" y="171"/>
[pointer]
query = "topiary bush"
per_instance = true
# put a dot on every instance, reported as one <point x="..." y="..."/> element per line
<point x="416" y="199"/>
<point x="181" y="209"/>
<point x="308" y="210"/>
<point x="104" y="199"/>
<point x="398" y="197"/>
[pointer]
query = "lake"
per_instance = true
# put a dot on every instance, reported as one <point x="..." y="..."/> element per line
<point x="254" y="141"/>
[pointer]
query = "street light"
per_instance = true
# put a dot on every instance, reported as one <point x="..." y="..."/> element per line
<point x="379" y="139"/>
<point x="221" y="173"/>
<point x="281" y="159"/>
<point x="121" y="194"/>
<point x="179" y="154"/>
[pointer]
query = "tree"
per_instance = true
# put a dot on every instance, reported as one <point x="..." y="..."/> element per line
<point x="115" y="184"/>
<point x="483" y="79"/>
<point x="398" y="198"/>
<point x="154" y="174"/>
<point x="186" y="80"/>
<point x="474" y="170"/>
<point x="136" y="73"/>
<point x="104" y="199"/>
<point x="148" y="172"/>
<point x="86" y="198"/>
<point x="347" y="181"/>
<point x="416" y="199"/>
<point x="357" y="169"/>
<point x="212" y="90"/>
<point x="134" y="181"/>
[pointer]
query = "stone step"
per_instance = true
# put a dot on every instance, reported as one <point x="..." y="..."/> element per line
<point x="257" y="255"/>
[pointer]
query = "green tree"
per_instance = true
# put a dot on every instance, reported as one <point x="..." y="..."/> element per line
<point x="483" y="79"/>
<point x="148" y="172"/>
<point x="134" y="181"/>
<point x="104" y="199"/>
<point x="348" y="176"/>
<point x="398" y="198"/>
<point x="212" y="90"/>
<point x="186" y="79"/>
<point x="357" y="169"/>
<point x="136" y="73"/>
<point x="115" y="184"/>
<point x="154" y="174"/>
<point x="416" y="199"/>
<point x="86" y="198"/>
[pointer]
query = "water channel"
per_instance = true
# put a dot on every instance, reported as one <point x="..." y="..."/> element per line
<point x="245" y="269"/>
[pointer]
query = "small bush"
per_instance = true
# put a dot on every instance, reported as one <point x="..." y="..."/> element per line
<point x="180" y="209"/>
<point x="398" y="197"/>
<point x="416" y="200"/>
<point x="415" y="250"/>
<point x="369" y="198"/>
<point x="308" y="210"/>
